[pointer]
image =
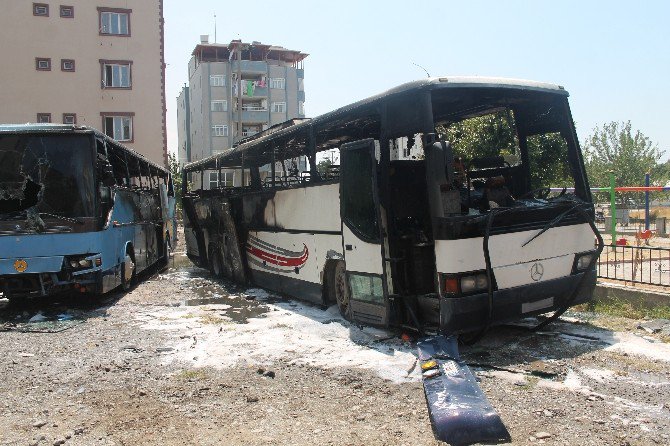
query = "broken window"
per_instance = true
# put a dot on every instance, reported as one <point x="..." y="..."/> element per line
<point x="52" y="174"/>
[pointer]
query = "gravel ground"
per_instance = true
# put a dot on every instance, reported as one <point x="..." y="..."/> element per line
<point x="182" y="359"/>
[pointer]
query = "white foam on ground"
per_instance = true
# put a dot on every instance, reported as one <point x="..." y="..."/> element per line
<point x="297" y="333"/>
<point x="620" y="342"/>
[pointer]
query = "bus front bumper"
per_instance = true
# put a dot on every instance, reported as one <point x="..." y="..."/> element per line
<point x="43" y="276"/>
<point x="470" y="313"/>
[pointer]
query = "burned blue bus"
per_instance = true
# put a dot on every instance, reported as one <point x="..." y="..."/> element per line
<point x="79" y="212"/>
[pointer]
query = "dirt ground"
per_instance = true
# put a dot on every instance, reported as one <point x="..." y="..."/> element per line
<point x="183" y="359"/>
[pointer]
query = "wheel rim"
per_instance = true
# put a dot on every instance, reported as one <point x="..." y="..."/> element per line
<point x="341" y="294"/>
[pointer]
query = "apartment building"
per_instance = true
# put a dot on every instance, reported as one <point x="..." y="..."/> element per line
<point x="98" y="63"/>
<point x="236" y="90"/>
<point x="184" y="129"/>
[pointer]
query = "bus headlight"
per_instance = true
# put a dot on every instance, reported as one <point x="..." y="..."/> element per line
<point x="583" y="260"/>
<point x="468" y="283"/>
<point x="474" y="283"/>
<point x="79" y="262"/>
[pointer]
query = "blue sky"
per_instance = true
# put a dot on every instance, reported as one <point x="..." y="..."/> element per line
<point x="612" y="56"/>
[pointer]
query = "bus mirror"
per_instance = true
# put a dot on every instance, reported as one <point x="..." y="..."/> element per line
<point x="105" y="193"/>
<point x="107" y="174"/>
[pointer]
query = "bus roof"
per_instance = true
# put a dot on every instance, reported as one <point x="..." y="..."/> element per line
<point x="250" y="145"/>
<point x="69" y="128"/>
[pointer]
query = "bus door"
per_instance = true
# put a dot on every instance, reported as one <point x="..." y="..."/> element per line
<point x="363" y="233"/>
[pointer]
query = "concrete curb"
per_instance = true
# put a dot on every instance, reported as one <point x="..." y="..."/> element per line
<point x="607" y="292"/>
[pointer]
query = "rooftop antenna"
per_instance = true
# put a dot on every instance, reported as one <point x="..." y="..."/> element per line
<point x="214" y="26"/>
<point x="416" y="64"/>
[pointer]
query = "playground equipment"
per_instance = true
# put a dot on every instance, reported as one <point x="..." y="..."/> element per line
<point x="612" y="189"/>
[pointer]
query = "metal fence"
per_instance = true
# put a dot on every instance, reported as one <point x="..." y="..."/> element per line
<point x="636" y="264"/>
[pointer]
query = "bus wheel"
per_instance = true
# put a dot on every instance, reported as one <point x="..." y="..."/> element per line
<point x="165" y="259"/>
<point x="341" y="290"/>
<point x="127" y="272"/>
<point x="215" y="267"/>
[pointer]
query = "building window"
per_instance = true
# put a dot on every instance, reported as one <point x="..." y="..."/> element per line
<point x="67" y="12"/>
<point x="278" y="83"/>
<point x="219" y="106"/>
<point x="118" y="126"/>
<point x="116" y="74"/>
<point x="219" y="130"/>
<point x="44" y="118"/>
<point x="67" y="65"/>
<point x="41" y="9"/>
<point x="213" y="180"/>
<point x="69" y="118"/>
<point x="217" y="80"/>
<point x="301" y="108"/>
<point x="279" y="107"/>
<point x="301" y="84"/>
<point x="43" y="64"/>
<point x="227" y="179"/>
<point x="114" y="22"/>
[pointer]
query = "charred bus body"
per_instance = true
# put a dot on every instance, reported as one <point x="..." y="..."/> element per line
<point x="439" y="216"/>
<point x="78" y="211"/>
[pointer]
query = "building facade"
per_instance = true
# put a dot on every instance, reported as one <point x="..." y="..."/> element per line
<point x="184" y="130"/>
<point x="96" y="63"/>
<point x="237" y="90"/>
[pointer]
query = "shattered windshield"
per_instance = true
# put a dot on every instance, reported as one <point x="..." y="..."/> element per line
<point x="50" y="174"/>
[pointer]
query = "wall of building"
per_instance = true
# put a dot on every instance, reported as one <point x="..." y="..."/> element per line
<point x="184" y="130"/>
<point x="25" y="91"/>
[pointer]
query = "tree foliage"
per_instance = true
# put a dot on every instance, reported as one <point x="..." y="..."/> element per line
<point x="495" y="134"/>
<point x="175" y="171"/>
<point x="616" y="148"/>
<point x="322" y="167"/>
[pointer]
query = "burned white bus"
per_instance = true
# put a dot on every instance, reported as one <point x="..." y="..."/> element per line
<point x="438" y="218"/>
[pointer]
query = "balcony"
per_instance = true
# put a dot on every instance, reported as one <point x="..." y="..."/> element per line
<point x="258" y="91"/>
<point x="255" y="115"/>
<point x="250" y="66"/>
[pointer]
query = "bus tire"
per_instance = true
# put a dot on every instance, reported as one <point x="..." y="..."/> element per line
<point x="215" y="262"/>
<point x="341" y="289"/>
<point x="127" y="271"/>
<point x="165" y="258"/>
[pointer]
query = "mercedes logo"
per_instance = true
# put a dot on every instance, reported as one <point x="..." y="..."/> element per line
<point x="536" y="271"/>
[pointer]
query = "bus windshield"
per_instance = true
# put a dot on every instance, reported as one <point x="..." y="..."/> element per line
<point x="52" y="174"/>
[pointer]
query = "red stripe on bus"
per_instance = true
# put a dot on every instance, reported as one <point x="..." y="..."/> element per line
<point x="280" y="260"/>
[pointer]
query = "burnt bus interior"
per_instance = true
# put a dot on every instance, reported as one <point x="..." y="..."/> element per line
<point x="51" y="178"/>
<point x="122" y="171"/>
<point x="505" y="148"/>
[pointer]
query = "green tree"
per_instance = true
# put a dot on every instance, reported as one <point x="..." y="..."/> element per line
<point x="495" y="134"/>
<point x="175" y="170"/>
<point x="616" y="147"/>
<point x="322" y="167"/>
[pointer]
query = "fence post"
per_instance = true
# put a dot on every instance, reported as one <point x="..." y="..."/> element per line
<point x="646" y="202"/>
<point x="613" y="208"/>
